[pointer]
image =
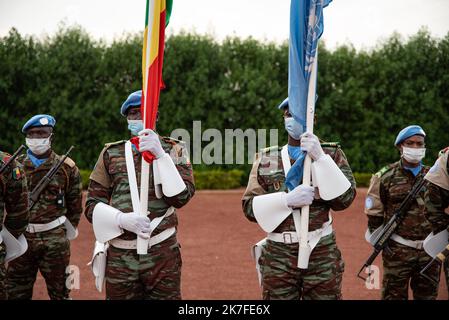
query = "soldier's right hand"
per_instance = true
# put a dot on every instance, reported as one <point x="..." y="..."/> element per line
<point x="136" y="223"/>
<point x="301" y="196"/>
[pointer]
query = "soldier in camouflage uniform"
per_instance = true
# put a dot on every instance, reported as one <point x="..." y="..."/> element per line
<point x="13" y="198"/>
<point x="404" y="257"/>
<point x="52" y="218"/>
<point x="280" y="276"/>
<point x="157" y="274"/>
<point x="437" y="198"/>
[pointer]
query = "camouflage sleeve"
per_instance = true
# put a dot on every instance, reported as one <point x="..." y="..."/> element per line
<point x="437" y="200"/>
<point x="184" y="167"/>
<point x="98" y="190"/>
<point x="74" y="197"/>
<point x="16" y="201"/>
<point x="344" y="201"/>
<point x="374" y="208"/>
<point x="254" y="188"/>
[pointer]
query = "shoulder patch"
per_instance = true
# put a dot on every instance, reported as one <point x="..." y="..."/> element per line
<point x="334" y="145"/>
<point x="111" y="144"/>
<point x="384" y="170"/>
<point x="270" y="149"/>
<point x="70" y="162"/>
<point x="171" y="140"/>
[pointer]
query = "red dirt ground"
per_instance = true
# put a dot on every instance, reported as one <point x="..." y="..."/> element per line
<point x="216" y="239"/>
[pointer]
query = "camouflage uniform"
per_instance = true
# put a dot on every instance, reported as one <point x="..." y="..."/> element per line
<point x="13" y="198"/>
<point x="156" y="275"/>
<point x="401" y="263"/>
<point x="281" y="279"/>
<point x="48" y="251"/>
<point x="437" y="201"/>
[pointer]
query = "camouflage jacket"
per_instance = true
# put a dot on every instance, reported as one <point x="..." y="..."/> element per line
<point x="267" y="176"/>
<point x="13" y="197"/>
<point x="388" y="188"/>
<point x="437" y="195"/>
<point x="109" y="183"/>
<point x="66" y="183"/>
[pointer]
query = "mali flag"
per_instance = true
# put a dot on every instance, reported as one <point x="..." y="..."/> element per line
<point x="157" y="18"/>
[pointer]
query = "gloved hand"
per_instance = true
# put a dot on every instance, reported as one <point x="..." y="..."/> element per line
<point x="301" y="196"/>
<point x="149" y="141"/>
<point x="311" y="144"/>
<point x="136" y="223"/>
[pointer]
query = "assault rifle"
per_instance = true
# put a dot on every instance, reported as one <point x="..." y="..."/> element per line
<point x="387" y="231"/>
<point x="43" y="183"/>
<point x="12" y="158"/>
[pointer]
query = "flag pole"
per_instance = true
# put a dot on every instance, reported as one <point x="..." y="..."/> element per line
<point x="142" y="244"/>
<point x="304" y="248"/>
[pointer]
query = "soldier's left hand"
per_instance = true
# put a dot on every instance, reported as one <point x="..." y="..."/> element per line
<point x="149" y="141"/>
<point x="311" y="144"/>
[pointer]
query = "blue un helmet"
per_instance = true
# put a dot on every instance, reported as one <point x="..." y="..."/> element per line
<point x="133" y="100"/>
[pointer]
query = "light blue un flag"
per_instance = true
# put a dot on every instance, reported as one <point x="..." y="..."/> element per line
<point x="306" y="27"/>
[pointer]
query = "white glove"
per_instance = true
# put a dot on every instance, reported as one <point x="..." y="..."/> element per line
<point x="136" y="223"/>
<point x="301" y="196"/>
<point x="149" y="141"/>
<point x="311" y="144"/>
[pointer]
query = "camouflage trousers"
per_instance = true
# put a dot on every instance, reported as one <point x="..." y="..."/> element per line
<point x="154" y="276"/>
<point x="401" y="266"/>
<point x="281" y="279"/>
<point x="48" y="252"/>
<point x="2" y="272"/>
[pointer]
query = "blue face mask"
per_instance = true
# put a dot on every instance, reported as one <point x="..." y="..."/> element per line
<point x="135" y="126"/>
<point x="293" y="128"/>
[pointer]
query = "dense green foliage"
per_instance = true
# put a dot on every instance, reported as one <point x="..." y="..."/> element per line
<point x="365" y="97"/>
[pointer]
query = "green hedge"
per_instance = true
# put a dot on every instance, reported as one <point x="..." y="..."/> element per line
<point x="85" y="174"/>
<point x="218" y="179"/>
<point x="231" y="179"/>
<point x="365" y="97"/>
<point x="362" y="179"/>
<point x="210" y="179"/>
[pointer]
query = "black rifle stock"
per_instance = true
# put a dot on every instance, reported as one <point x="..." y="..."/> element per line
<point x="12" y="158"/>
<point x="43" y="183"/>
<point x="387" y="231"/>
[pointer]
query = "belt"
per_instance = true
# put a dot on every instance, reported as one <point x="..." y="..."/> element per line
<point x="417" y="244"/>
<point x="292" y="237"/>
<point x="132" y="244"/>
<point x="38" y="227"/>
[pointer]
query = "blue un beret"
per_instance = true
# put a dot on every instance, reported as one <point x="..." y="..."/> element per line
<point x="408" y="132"/>
<point x="39" y="120"/>
<point x="133" y="100"/>
<point x="284" y="104"/>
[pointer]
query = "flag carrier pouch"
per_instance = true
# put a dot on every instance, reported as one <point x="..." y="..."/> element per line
<point x="12" y="158"/>
<point x="385" y="234"/>
<point x="439" y="259"/>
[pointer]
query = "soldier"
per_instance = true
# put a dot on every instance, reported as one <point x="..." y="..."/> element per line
<point x="437" y="198"/>
<point x="110" y="207"/>
<point x="404" y="257"/>
<point x="53" y="218"/>
<point x="13" y="198"/>
<point x="268" y="183"/>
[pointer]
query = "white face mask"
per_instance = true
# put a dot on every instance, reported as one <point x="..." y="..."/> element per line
<point x="135" y="126"/>
<point x="413" y="155"/>
<point x="38" y="146"/>
<point x="293" y="128"/>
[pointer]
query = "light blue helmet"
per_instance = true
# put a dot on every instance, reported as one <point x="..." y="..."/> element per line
<point x="39" y="120"/>
<point x="133" y="100"/>
<point x="408" y="132"/>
